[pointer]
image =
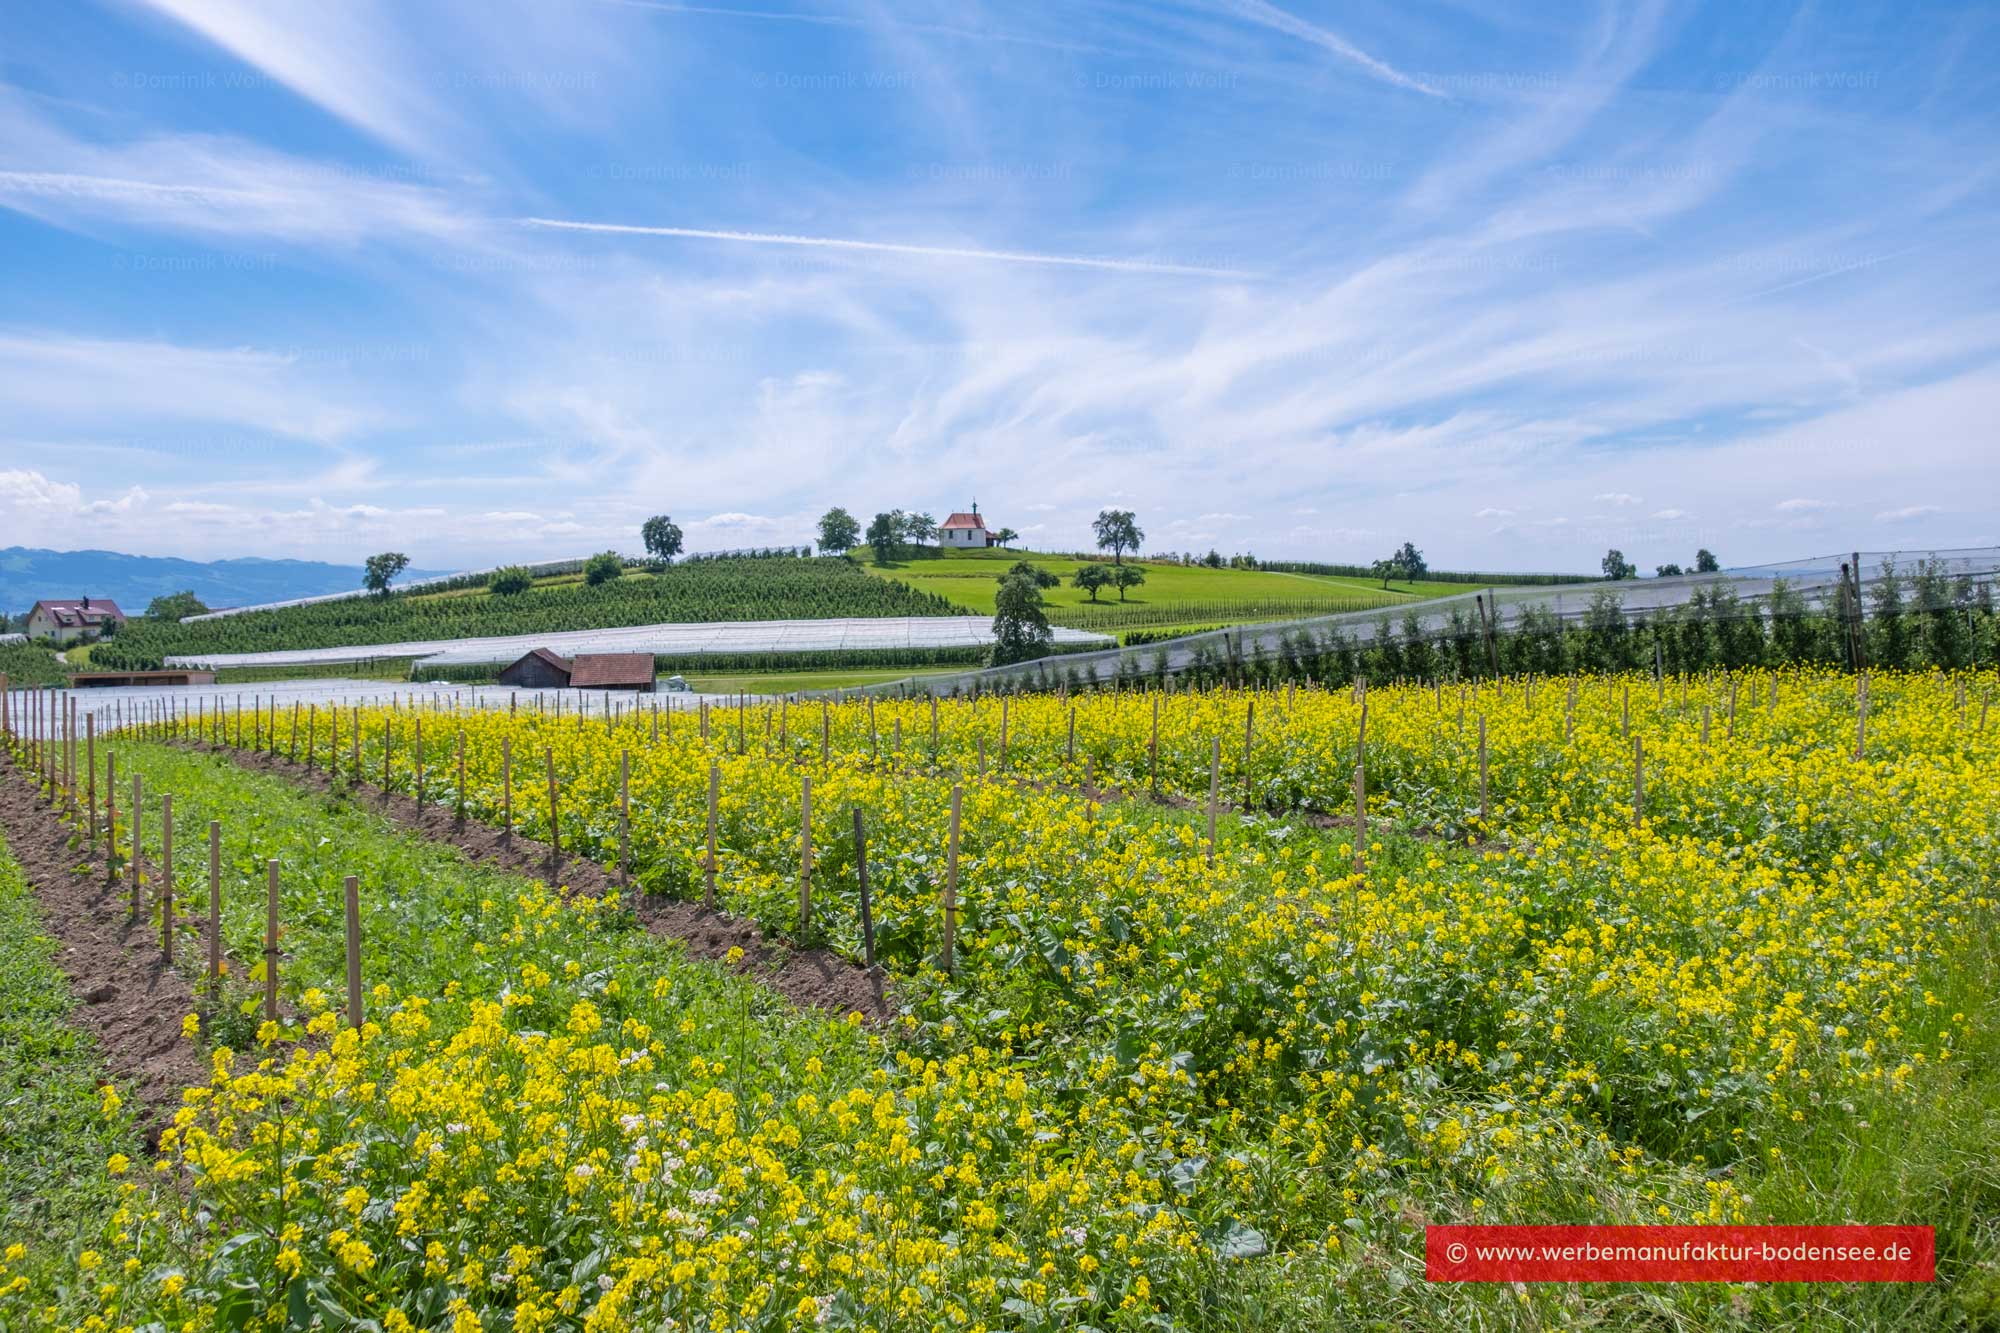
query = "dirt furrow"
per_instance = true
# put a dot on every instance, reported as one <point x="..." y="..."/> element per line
<point x="127" y="994"/>
<point x="815" y="978"/>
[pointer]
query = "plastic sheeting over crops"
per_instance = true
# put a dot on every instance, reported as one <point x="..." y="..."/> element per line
<point x="883" y="633"/>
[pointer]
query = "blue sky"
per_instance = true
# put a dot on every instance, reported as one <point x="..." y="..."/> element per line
<point x="495" y="280"/>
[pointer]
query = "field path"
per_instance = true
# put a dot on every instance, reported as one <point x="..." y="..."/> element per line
<point x="809" y="978"/>
<point x="128" y="997"/>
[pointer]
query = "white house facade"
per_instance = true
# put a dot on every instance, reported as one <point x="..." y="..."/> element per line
<point x="965" y="531"/>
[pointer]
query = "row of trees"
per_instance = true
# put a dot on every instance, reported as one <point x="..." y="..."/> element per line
<point x="1917" y="619"/>
<point x="1616" y="566"/>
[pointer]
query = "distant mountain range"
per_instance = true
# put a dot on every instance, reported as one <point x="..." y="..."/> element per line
<point x="28" y="573"/>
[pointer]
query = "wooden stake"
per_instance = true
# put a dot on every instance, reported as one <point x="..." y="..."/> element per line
<point x="214" y="898"/>
<point x="951" y="880"/>
<point x="461" y="775"/>
<point x="1153" y="749"/>
<point x="138" y="875"/>
<point x="1861" y="715"/>
<point x="1214" y="785"/>
<point x="1360" y="817"/>
<point x="110" y="819"/>
<point x="352" y="886"/>
<point x="271" y="941"/>
<point x="1638" y="782"/>
<point x="312" y="725"/>
<point x="1070" y="756"/>
<point x="861" y="870"/>
<point x="1249" y="739"/>
<point x="624" y="818"/>
<point x="90" y="766"/>
<point x="805" y="853"/>
<point x="708" y="866"/>
<point x="1483" y="808"/>
<point x="555" y="828"/>
<point x="167" y="877"/>
<point x="506" y="787"/>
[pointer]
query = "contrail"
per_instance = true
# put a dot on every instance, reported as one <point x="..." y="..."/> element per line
<point x="894" y="248"/>
<point x="1270" y="16"/>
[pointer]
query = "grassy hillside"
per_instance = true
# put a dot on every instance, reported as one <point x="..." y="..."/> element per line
<point x="757" y="588"/>
<point x="1173" y="594"/>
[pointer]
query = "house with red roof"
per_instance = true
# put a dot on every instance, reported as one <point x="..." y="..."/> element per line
<point x="67" y="621"/>
<point x="965" y="531"/>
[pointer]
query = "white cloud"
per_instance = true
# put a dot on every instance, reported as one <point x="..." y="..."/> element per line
<point x="1616" y="498"/>
<point x="1491" y="512"/>
<point x="341" y="57"/>
<point x="1907" y="513"/>
<point x="1669" y="513"/>
<point x="1803" y="506"/>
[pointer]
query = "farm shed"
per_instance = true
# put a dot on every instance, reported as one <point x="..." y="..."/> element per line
<point x="538" y="669"/>
<point x="98" y="680"/>
<point x="612" y="671"/>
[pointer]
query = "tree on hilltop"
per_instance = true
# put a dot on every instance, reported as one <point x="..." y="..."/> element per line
<point x="838" y="531"/>
<point x="662" y="537"/>
<point x="1117" y="531"/>
<point x="381" y="570"/>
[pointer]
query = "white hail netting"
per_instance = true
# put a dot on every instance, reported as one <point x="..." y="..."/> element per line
<point x="1816" y="580"/>
<point x="856" y="633"/>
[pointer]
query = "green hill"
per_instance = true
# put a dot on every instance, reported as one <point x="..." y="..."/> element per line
<point x="1173" y="594"/>
<point x="694" y="591"/>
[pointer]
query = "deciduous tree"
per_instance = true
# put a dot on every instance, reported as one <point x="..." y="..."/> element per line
<point x="381" y="570"/>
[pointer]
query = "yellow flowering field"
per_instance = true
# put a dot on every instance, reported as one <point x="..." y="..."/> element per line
<point x="1167" y="1082"/>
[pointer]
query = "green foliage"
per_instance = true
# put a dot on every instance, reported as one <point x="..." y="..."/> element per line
<point x="174" y="605"/>
<point x="690" y="591"/>
<point x="1117" y="531"/>
<point x="1125" y="577"/>
<point x="31" y="663"/>
<point x="1091" y="578"/>
<point x="1020" y="629"/>
<point x="602" y="568"/>
<point x="885" y="535"/>
<point x="1043" y="577"/>
<point x="1616" y="566"/>
<point x="509" y="580"/>
<point x="1423" y="571"/>
<point x="125" y="655"/>
<point x="381" y="570"/>
<point x="662" y="537"/>
<point x="1705" y="562"/>
<point x="838" y="531"/>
